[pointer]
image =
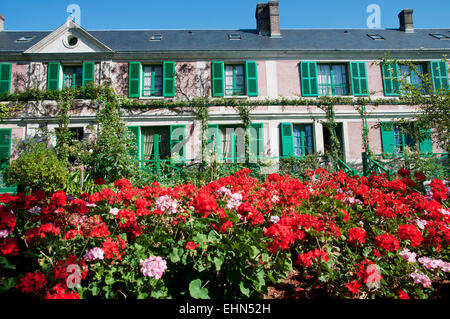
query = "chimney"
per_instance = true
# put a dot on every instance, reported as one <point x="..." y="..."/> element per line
<point x="406" y="20"/>
<point x="2" y="22"/>
<point x="268" y="19"/>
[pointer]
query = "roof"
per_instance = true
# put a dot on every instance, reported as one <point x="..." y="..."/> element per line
<point x="217" y="40"/>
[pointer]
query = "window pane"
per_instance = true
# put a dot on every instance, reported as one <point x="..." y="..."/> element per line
<point x="78" y="76"/>
<point x="234" y="80"/>
<point x="297" y="141"/>
<point x="157" y="90"/>
<point x="147" y="85"/>
<point x="405" y="72"/>
<point x="309" y="139"/>
<point x="68" y="72"/>
<point x="229" y="80"/>
<point x="339" y="80"/>
<point x="239" y="80"/>
<point x="415" y="78"/>
<point x="398" y="139"/>
<point x="324" y="79"/>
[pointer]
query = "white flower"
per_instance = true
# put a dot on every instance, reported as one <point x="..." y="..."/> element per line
<point x="114" y="211"/>
<point x="4" y="233"/>
<point x="274" y="219"/>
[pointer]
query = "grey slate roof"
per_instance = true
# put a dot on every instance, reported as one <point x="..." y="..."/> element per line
<point x="217" y="40"/>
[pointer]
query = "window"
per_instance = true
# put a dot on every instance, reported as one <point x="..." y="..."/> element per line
<point x="234" y="80"/>
<point x="402" y="139"/>
<point x="73" y="76"/>
<point x="153" y="144"/>
<point x="375" y="37"/>
<point x="234" y="36"/>
<point x="156" y="37"/>
<point x="332" y="79"/>
<point x="440" y="36"/>
<point x="24" y="39"/>
<point x="296" y="139"/>
<point x="395" y="138"/>
<point x="228" y="142"/>
<point x="412" y="76"/>
<point x="152" y="80"/>
<point x="303" y="139"/>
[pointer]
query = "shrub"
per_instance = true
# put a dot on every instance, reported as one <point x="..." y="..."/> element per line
<point x="37" y="167"/>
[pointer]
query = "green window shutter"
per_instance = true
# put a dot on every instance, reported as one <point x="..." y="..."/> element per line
<point x="134" y="79"/>
<point x="439" y="74"/>
<point x="251" y="73"/>
<point x="5" y="78"/>
<point x="358" y="74"/>
<point x="53" y="76"/>
<point x="218" y="83"/>
<point x="390" y="79"/>
<point x="426" y="146"/>
<point x="5" y="153"/>
<point x="169" y="78"/>
<point x="388" y="138"/>
<point x="257" y="140"/>
<point x="214" y="134"/>
<point x="135" y="150"/>
<point x="287" y="140"/>
<point x="176" y="138"/>
<point x="88" y="73"/>
<point x="308" y="74"/>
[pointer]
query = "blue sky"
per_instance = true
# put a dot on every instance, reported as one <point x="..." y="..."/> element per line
<point x="216" y="14"/>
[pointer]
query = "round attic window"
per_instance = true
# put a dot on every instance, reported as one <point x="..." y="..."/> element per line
<point x="71" y="41"/>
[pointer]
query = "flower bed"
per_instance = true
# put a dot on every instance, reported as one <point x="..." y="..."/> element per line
<point x="233" y="238"/>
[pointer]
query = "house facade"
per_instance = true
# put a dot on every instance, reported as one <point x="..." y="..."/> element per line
<point x="264" y="64"/>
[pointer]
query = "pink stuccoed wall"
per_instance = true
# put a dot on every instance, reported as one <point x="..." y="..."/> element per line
<point x="17" y="134"/>
<point x="355" y="141"/>
<point x="262" y="80"/>
<point x="375" y="79"/>
<point x="288" y="75"/>
<point x="18" y="77"/>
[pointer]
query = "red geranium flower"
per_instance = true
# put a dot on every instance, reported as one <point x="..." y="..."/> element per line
<point x="191" y="245"/>
<point x="99" y="181"/>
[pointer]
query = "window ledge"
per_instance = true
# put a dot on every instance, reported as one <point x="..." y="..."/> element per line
<point x="235" y="97"/>
<point x="151" y="98"/>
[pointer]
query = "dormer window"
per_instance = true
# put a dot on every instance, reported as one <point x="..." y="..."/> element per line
<point x="440" y="36"/>
<point x="24" y="39"/>
<point x="156" y="37"/>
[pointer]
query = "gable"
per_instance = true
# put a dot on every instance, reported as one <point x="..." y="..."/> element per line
<point x="69" y="38"/>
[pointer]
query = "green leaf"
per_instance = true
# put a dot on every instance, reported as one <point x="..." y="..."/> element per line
<point x="254" y="252"/>
<point x="245" y="291"/>
<point x="95" y="290"/>
<point x="175" y="255"/>
<point x="109" y="281"/>
<point x="218" y="262"/>
<point x="6" y="264"/>
<point x="7" y="284"/>
<point x="196" y="290"/>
